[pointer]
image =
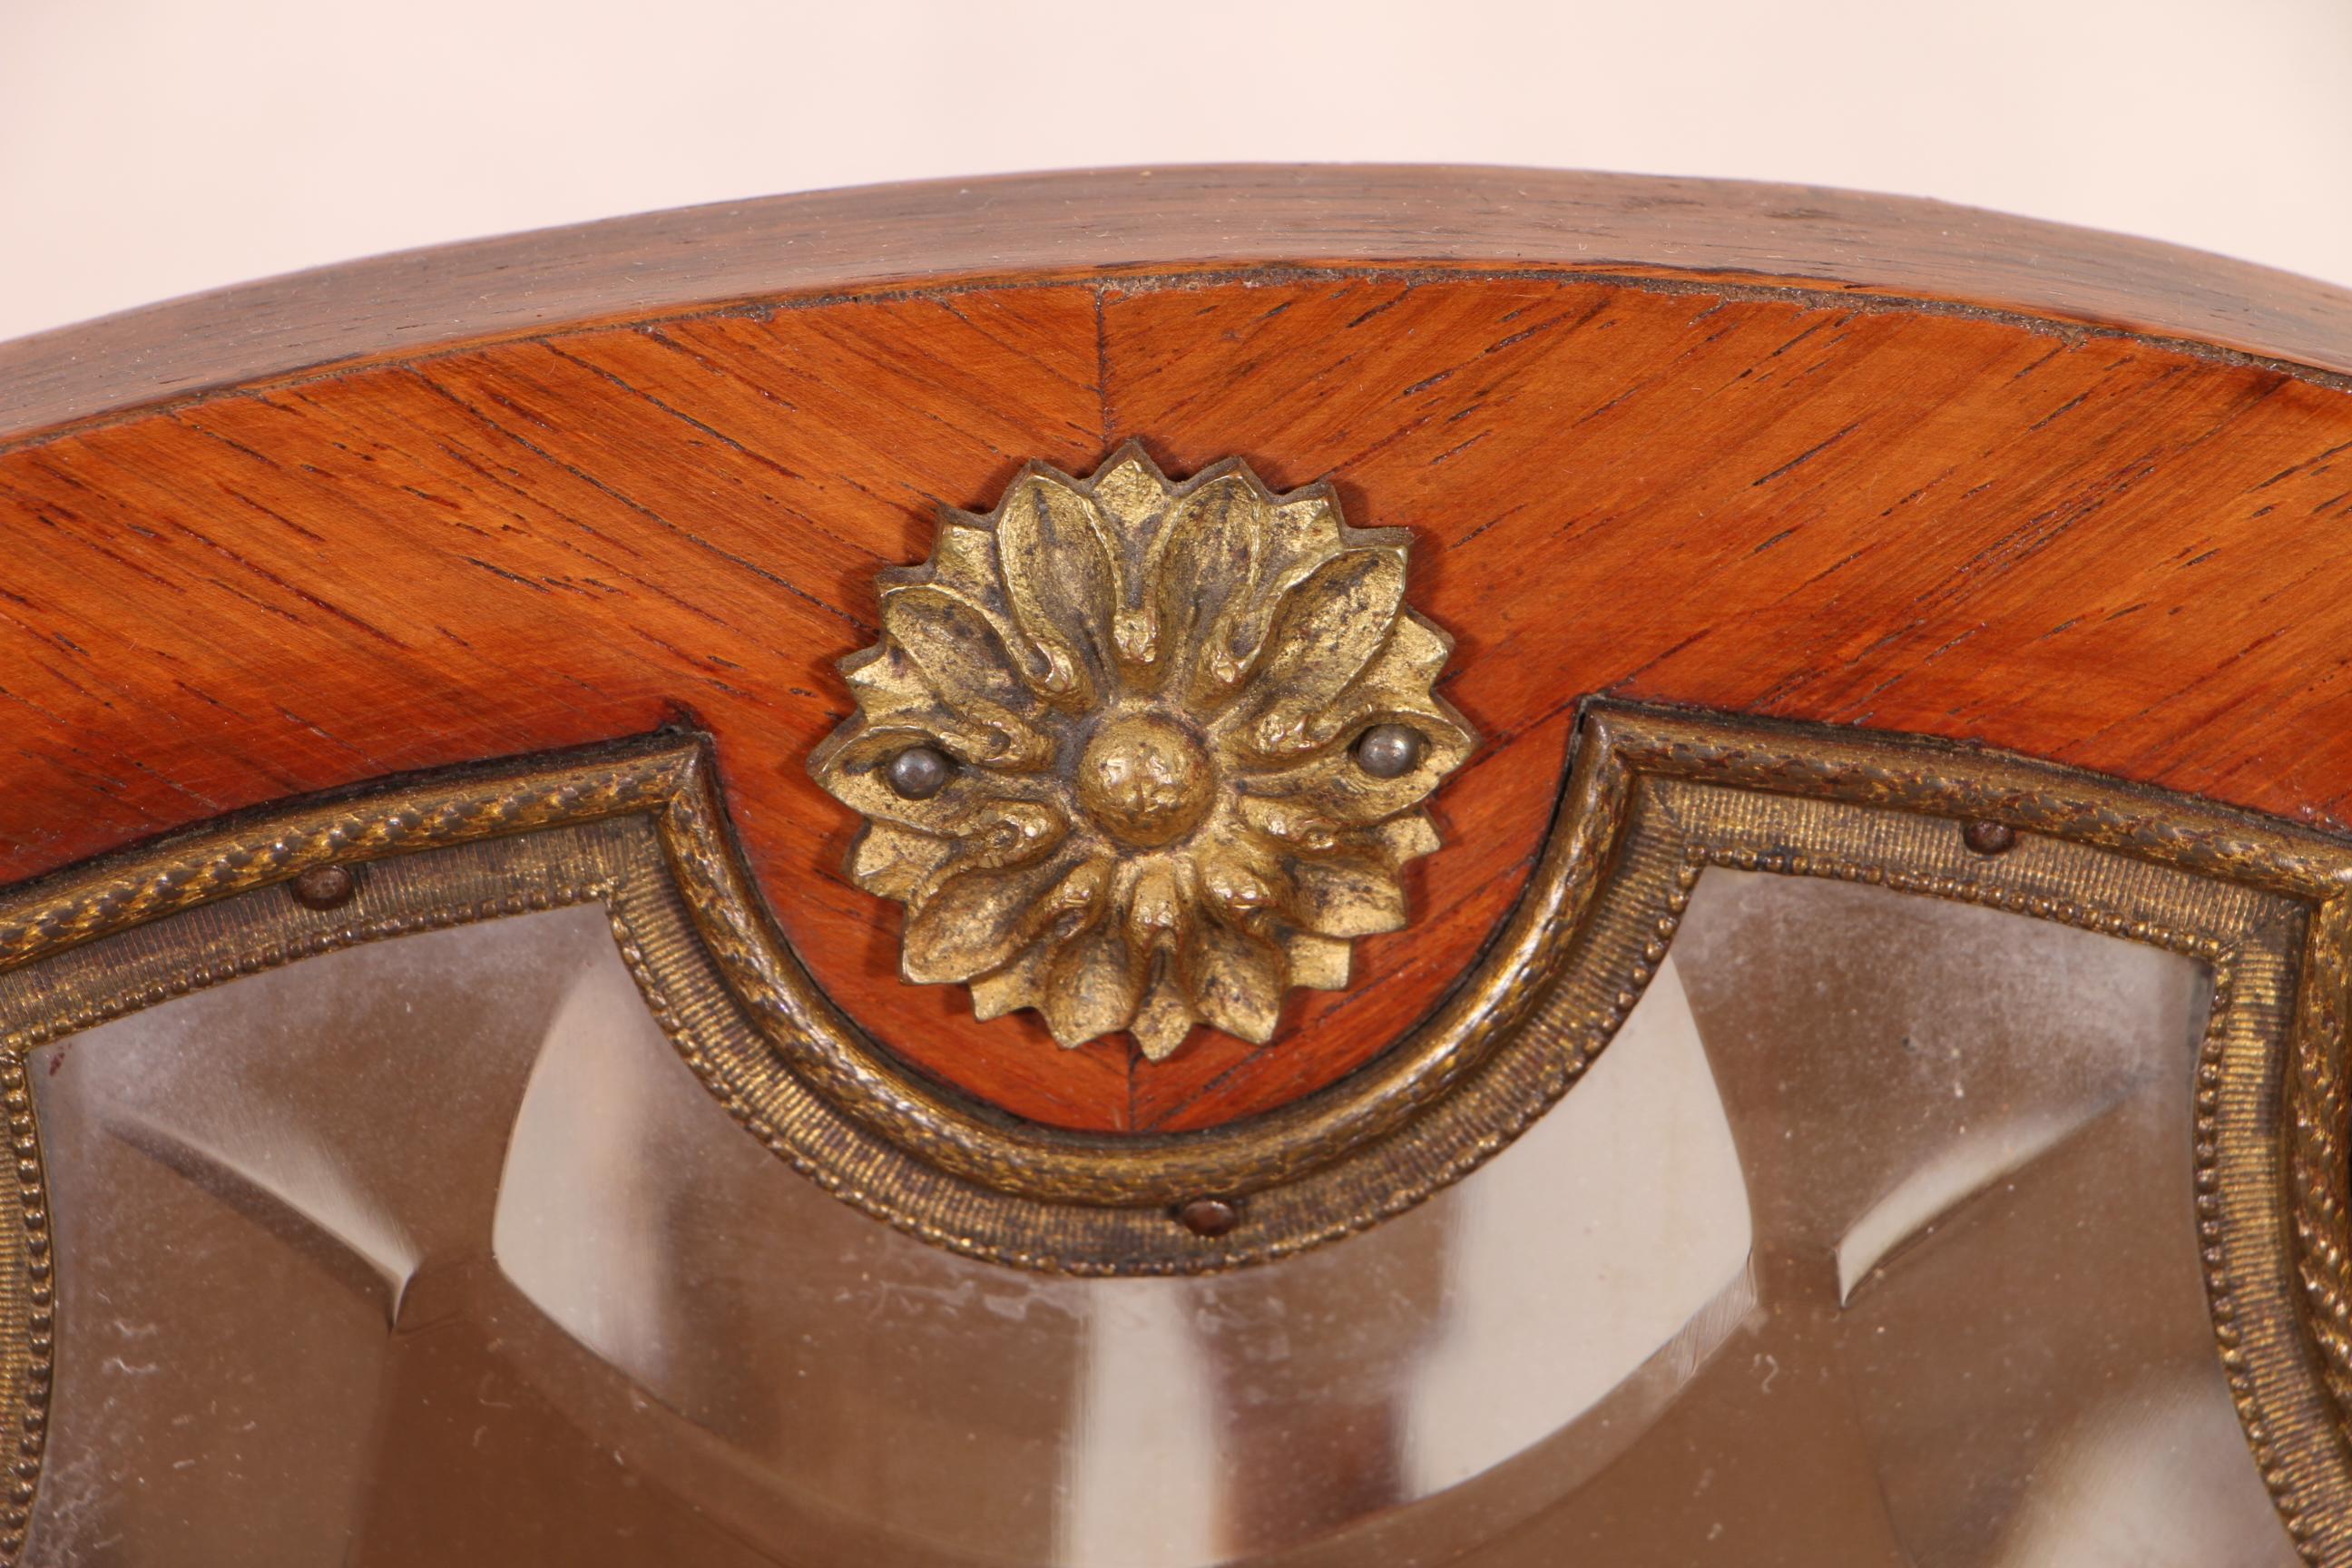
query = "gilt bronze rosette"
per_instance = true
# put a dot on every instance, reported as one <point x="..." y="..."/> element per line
<point x="1140" y="754"/>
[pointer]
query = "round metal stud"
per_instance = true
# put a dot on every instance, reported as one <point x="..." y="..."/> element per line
<point x="325" y="888"/>
<point x="1389" y="751"/>
<point x="1209" y="1216"/>
<point x="1989" y="837"/>
<point x="919" y="772"/>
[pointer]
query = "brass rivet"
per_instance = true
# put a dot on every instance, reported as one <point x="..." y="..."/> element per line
<point x="325" y="888"/>
<point x="919" y="773"/>
<point x="1389" y="751"/>
<point x="1989" y="837"/>
<point x="1209" y="1216"/>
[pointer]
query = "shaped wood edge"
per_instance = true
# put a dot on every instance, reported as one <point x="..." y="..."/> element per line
<point x="1128" y="224"/>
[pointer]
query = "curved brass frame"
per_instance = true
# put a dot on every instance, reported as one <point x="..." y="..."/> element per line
<point x="670" y="779"/>
<point x="1652" y="798"/>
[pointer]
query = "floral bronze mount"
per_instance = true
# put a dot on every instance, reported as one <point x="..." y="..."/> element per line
<point x="1140" y="754"/>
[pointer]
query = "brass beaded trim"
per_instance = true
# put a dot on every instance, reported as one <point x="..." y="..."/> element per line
<point x="1652" y="799"/>
<point x="28" y="1329"/>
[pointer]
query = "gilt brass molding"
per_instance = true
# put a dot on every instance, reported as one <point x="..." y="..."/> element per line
<point x="1141" y="755"/>
<point x="1652" y="799"/>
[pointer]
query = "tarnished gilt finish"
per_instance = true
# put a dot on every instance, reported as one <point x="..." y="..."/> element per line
<point x="1188" y="730"/>
<point x="1654" y="798"/>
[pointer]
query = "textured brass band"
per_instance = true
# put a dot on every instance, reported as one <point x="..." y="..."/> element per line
<point x="1654" y="797"/>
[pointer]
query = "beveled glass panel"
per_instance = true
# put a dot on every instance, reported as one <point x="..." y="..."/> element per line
<point x="1869" y="1239"/>
<point x="1966" y="1139"/>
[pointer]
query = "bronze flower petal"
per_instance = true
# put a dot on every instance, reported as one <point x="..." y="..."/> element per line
<point x="1306" y="807"/>
<point x="1290" y="539"/>
<point x="1327" y="630"/>
<point x="896" y="861"/>
<point x="1200" y="579"/>
<point x="1151" y="694"/>
<point x="1407" y="837"/>
<point x="1318" y="963"/>
<point x="1094" y="984"/>
<point x="1020" y="984"/>
<point x="1166" y="1016"/>
<point x="1242" y="880"/>
<point x="976" y="920"/>
<point x="975" y="698"/>
<point x="1236" y="980"/>
<point x="1394" y="689"/>
<point x="854" y="767"/>
<point x="1062" y="580"/>
<point x="1345" y="895"/>
<point x="964" y="562"/>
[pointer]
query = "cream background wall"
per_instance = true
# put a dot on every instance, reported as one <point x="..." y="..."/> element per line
<point x="151" y="148"/>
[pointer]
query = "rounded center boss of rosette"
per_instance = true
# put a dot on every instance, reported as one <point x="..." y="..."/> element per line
<point x="1145" y="779"/>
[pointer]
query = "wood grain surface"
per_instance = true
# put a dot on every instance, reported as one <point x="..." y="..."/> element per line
<point x="1089" y="224"/>
<point x="2075" y="542"/>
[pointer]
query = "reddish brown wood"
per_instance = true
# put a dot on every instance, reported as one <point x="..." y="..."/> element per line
<point x="2081" y="544"/>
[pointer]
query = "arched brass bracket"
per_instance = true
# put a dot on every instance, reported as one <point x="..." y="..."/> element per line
<point x="1654" y="797"/>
